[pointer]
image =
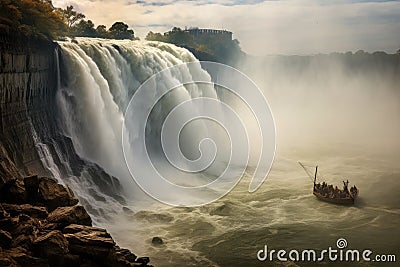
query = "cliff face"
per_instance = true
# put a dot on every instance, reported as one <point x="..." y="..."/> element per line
<point x="28" y="79"/>
<point x="30" y="134"/>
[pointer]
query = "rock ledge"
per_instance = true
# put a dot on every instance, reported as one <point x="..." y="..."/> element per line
<point x="42" y="224"/>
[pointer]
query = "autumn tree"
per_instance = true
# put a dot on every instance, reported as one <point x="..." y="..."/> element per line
<point x="32" y="17"/>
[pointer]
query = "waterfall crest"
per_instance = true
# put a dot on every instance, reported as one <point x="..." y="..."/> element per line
<point x="99" y="77"/>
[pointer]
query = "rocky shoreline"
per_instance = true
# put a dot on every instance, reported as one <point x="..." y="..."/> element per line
<point x="42" y="224"/>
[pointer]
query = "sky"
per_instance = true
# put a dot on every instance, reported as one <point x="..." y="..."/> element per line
<point x="263" y="27"/>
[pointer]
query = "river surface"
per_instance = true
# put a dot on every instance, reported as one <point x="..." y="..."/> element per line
<point x="282" y="214"/>
<point x="340" y="112"/>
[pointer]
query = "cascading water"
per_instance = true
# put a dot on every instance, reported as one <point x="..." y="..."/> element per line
<point x="114" y="94"/>
<point x="98" y="79"/>
<point x="187" y="129"/>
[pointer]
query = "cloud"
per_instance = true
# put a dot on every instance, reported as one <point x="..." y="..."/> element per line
<point x="200" y="2"/>
<point x="264" y="27"/>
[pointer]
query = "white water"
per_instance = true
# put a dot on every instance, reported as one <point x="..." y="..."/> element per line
<point x="100" y="77"/>
<point x="98" y="81"/>
<point x="45" y="156"/>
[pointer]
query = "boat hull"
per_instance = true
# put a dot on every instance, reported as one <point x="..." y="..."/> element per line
<point x="340" y="201"/>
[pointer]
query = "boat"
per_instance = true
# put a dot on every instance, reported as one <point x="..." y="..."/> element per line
<point x="331" y="194"/>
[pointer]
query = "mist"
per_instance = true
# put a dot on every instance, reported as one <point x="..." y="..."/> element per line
<point x="348" y="99"/>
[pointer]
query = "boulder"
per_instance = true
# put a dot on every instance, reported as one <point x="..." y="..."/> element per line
<point x="121" y="257"/>
<point x="27" y="209"/>
<point x="3" y="213"/>
<point x="14" y="192"/>
<point x="6" y="224"/>
<point x="21" y="258"/>
<point x="51" y="244"/>
<point x="32" y="188"/>
<point x="143" y="260"/>
<point x="69" y="260"/>
<point x="54" y="195"/>
<point x="5" y="239"/>
<point x="23" y="224"/>
<point x="93" y="242"/>
<point x="6" y="260"/>
<point x="157" y="241"/>
<point x="5" y="219"/>
<point x="23" y="241"/>
<point x="70" y="215"/>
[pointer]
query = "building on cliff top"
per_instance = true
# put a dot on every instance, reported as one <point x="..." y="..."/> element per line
<point x="198" y="33"/>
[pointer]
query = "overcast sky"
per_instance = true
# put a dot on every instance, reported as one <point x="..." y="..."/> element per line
<point x="263" y="27"/>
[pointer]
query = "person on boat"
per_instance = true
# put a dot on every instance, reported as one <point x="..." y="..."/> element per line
<point x="345" y="186"/>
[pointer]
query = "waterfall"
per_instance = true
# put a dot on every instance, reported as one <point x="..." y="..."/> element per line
<point x="114" y="94"/>
<point x="98" y="79"/>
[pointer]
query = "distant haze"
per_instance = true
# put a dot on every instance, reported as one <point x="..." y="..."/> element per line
<point x="263" y="27"/>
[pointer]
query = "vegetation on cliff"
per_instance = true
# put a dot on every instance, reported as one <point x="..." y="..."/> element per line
<point x="77" y="26"/>
<point x="207" y="47"/>
<point x="33" y="18"/>
<point x="40" y="19"/>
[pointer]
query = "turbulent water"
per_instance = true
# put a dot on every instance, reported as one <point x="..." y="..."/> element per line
<point x="351" y="134"/>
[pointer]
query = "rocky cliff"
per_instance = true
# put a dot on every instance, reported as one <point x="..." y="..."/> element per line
<point x="41" y="224"/>
<point x="30" y="134"/>
<point x="27" y="81"/>
<point x="32" y="144"/>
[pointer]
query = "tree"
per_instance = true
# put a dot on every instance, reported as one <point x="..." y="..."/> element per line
<point x="101" y="31"/>
<point x="218" y="47"/>
<point x="32" y="17"/>
<point x="71" y="16"/>
<point x="119" y="30"/>
<point x="84" y="29"/>
<point x="179" y="37"/>
<point x="151" y="36"/>
<point x="10" y="15"/>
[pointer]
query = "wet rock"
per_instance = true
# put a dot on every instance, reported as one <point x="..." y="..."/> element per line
<point x="120" y="257"/>
<point x="6" y="224"/>
<point x="27" y="209"/>
<point x="6" y="260"/>
<point x="22" y="258"/>
<point x="23" y="241"/>
<point x="23" y="231"/>
<point x="5" y="239"/>
<point x="14" y="192"/>
<point x="23" y="224"/>
<point x="3" y="213"/>
<point x="143" y="260"/>
<point x="93" y="242"/>
<point x="30" y="236"/>
<point x="69" y="260"/>
<point x="55" y="195"/>
<point x="70" y="215"/>
<point x="157" y="241"/>
<point x="51" y="244"/>
<point x="32" y="188"/>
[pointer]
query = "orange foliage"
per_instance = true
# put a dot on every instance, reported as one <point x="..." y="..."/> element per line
<point x="32" y="17"/>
